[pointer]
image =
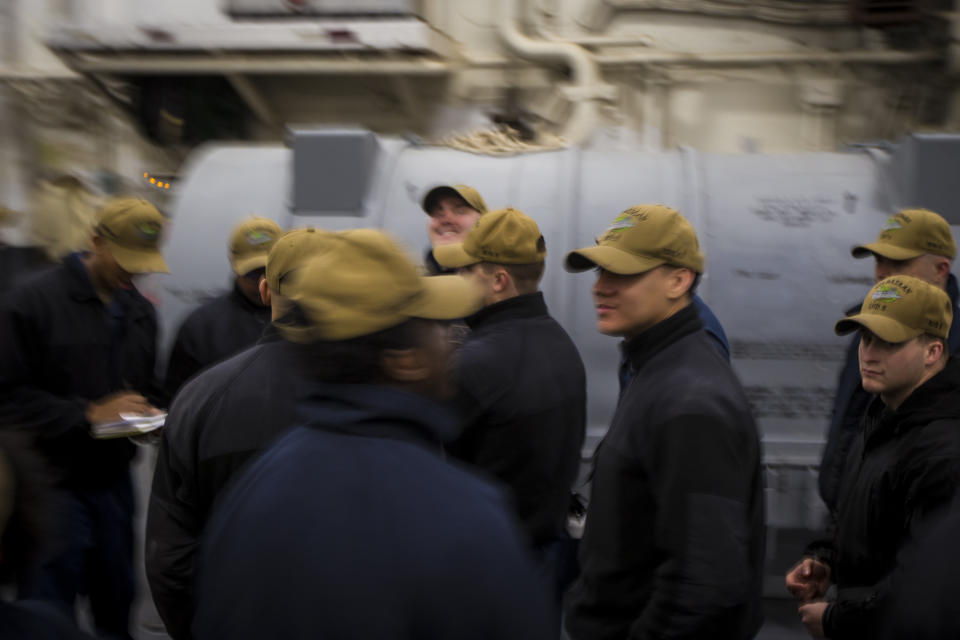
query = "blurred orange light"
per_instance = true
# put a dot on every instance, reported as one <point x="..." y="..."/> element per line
<point x="146" y="175"/>
<point x="153" y="180"/>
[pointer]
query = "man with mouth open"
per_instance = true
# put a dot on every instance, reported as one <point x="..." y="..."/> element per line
<point x="673" y="545"/>
<point x="904" y="467"/>
<point x="453" y="210"/>
<point x="78" y="348"/>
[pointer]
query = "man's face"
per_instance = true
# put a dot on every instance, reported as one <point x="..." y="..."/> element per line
<point x="107" y="272"/>
<point x="451" y="218"/>
<point x="890" y="368"/>
<point x="249" y="285"/>
<point x="920" y="267"/>
<point x="629" y="305"/>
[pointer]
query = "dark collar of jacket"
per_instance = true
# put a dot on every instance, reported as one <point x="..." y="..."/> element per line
<point x="935" y="399"/>
<point x="433" y="267"/>
<point x="639" y="349"/>
<point x="270" y="334"/>
<point x="380" y="412"/>
<point x="244" y="302"/>
<point x="528" y="305"/>
<point x="80" y="287"/>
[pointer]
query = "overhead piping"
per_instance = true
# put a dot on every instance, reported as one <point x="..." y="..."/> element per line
<point x="758" y="58"/>
<point x="586" y="88"/>
<point x="598" y="16"/>
<point x="745" y="59"/>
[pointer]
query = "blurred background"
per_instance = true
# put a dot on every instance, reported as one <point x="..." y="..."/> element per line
<point x="786" y="130"/>
<point x="109" y="89"/>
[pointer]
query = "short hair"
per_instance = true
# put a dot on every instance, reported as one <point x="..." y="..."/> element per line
<point x="526" y="277"/>
<point x="357" y="360"/>
<point x="927" y="338"/>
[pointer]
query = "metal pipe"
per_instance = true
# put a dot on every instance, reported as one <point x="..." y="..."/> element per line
<point x="150" y="64"/>
<point x="583" y="69"/>
<point x="13" y="74"/>
<point x="743" y="59"/>
<point x="771" y="57"/>
<point x="597" y="17"/>
<point x="601" y="41"/>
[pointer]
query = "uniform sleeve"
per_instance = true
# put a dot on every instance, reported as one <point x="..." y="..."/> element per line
<point x="173" y="522"/>
<point x="704" y="474"/>
<point x="24" y="403"/>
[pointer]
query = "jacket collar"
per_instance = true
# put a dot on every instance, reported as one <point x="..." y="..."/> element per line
<point x="270" y="334"/>
<point x="379" y="411"/>
<point x="237" y="295"/>
<point x="80" y="287"/>
<point x="530" y="305"/>
<point x="935" y="399"/>
<point x="639" y="349"/>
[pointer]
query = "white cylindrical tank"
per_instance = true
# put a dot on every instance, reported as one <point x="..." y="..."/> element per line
<point x="777" y="231"/>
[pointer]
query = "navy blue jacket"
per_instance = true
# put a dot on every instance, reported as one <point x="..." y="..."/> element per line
<point x="220" y="420"/>
<point x="674" y="540"/>
<point x="214" y="331"/>
<point x="354" y="526"/>
<point x="521" y="391"/>
<point x="924" y="603"/>
<point x="850" y="405"/>
<point x="60" y="349"/>
<point x="711" y="324"/>
<point x="904" y="471"/>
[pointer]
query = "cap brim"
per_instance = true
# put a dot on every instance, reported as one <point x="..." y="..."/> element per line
<point x="453" y="256"/>
<point x="244" y="266"/>
<point x="431" y="196"/>
<point x="139" y="261"/>
<point x="887" y="329"/>
<point x="889" y="251"/>
<point x="610" y="259"/>
<point x="446" y="298"/>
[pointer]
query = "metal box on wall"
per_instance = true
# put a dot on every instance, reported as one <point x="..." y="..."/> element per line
<point x="926" y="166"/>
<point x="331" y="169"/>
